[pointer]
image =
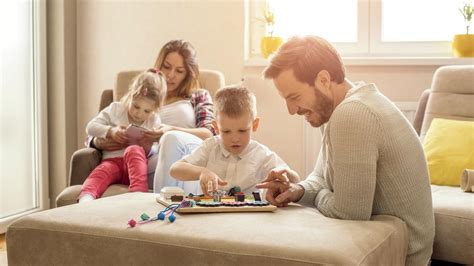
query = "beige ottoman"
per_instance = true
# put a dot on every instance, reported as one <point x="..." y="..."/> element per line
<point x="96" y="233"/>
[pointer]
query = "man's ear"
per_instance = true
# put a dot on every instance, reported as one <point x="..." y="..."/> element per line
<point x="214" y="125"/>
<point x="323" y="80"/>
<point x="255" y="124"/>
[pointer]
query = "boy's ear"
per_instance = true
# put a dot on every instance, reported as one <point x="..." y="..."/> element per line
<point x="255" y="124"/>
<point x="214" y="125"/>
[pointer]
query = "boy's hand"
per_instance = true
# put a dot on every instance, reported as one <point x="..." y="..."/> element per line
<point x="118" y="134"/>
<point x="209" y="181"/>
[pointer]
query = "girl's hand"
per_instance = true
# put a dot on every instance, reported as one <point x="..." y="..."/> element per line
<point x="155" y="134"/>
<point x="151" y="136"/>
<point x="209" y="181"/>
<point x="118" y="134"/>
<point x="165" y="128"/>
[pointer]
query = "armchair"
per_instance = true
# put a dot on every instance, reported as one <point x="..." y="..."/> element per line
<point x="451" y="97"/>
<point x="83" y="161"/>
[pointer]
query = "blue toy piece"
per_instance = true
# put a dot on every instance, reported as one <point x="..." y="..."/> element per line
<point x="161" y="215"/>
<point x="172" y="218"/>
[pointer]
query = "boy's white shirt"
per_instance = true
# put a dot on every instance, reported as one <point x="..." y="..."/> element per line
<point x="245" y="170"/>
<point x="116" y="114"/>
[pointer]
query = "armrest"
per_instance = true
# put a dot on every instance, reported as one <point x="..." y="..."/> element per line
<point x="83" y="161"/>
<point x="420" y="111"/>
<point x="106" y="99"/>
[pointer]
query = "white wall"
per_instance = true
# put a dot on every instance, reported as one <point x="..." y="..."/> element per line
<point x="121" y="35"/>
<point x="124" y="35"/>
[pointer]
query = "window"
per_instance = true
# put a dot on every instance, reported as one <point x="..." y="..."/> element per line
<point x="365" y="28"/>
<point x="23" y="157"/>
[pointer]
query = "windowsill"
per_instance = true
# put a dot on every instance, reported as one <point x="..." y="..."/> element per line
<point x="384" y="61"/>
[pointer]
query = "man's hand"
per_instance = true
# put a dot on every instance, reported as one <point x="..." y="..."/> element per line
<point x="209" y="181"/>
<point x="108" y="144"/>
<point x="281" y="189"/>
<point x="283" y="174"/>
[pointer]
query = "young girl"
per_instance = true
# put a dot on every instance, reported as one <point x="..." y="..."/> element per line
<point x="127" y="166"/>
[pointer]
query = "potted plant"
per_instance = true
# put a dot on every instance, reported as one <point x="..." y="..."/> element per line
<point x="463" y="44"/>
<point x="269" y="43"/>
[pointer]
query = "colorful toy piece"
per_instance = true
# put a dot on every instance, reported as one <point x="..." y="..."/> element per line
<point x="170" y="210"/>
<point x="132" y="223"/>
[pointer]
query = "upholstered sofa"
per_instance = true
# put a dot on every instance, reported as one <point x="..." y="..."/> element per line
<point x="84" y="160"/>
<point x="451" y="97"/>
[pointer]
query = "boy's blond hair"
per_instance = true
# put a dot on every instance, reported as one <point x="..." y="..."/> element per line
<point x="234" y="101"/>
<point x="149" y="84"/>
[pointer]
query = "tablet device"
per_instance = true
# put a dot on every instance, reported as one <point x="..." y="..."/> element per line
<point x="134" y="133"/>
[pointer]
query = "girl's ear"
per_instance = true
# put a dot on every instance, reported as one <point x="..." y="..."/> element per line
<point x="255" y="124"/>
<point x="214" y="125"/>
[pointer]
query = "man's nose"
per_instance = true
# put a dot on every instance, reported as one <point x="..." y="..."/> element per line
<point x="292" y="108"/>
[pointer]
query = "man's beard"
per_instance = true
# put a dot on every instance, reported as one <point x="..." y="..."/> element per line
<point x="323" y="106"/>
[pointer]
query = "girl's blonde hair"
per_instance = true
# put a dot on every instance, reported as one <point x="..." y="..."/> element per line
<point x="149" y="84"/>
<point x="187" y="51"/>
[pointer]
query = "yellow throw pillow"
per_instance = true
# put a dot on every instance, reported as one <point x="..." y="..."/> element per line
<point x="449" y="149"/>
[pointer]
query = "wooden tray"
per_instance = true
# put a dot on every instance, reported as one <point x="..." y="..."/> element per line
<point x="202" y="209"/>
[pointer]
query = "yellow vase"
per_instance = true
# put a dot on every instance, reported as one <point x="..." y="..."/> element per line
<point x="269" y="45"/>
<point x="463" y="45"/>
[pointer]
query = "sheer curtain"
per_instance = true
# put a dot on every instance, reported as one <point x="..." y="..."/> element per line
<point x="21" y="110"/>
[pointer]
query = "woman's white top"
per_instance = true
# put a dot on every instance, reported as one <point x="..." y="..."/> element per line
<point x="116" y="114"/>
<point x="178" y="114"/>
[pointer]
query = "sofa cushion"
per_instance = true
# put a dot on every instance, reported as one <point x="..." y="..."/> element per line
<point x="454" y="224"/>
<point x="96" y="233"/>
<point x="449" y="149"/>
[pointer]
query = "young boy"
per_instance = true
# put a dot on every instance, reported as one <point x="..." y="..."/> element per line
<point x="232" y="158"/>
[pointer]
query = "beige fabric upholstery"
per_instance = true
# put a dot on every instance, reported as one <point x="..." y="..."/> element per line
<point x="69" y="195"/>
<point x="420" y="111"/>
<point x="454" y="224"/>
<point x="210" y="80"/>
<point x="96" y="233"/>
<point x="85" y="160"/>
<point x="467" y="180"/>
<point x="451" y="97"/>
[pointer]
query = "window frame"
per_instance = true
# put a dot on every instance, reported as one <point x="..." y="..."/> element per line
<point x="369" y="45"/>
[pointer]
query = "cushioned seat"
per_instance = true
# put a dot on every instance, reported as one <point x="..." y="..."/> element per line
<point x="454" y="219"/>
<point x="83" y="161"/>
<point x="96" y="233"/>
